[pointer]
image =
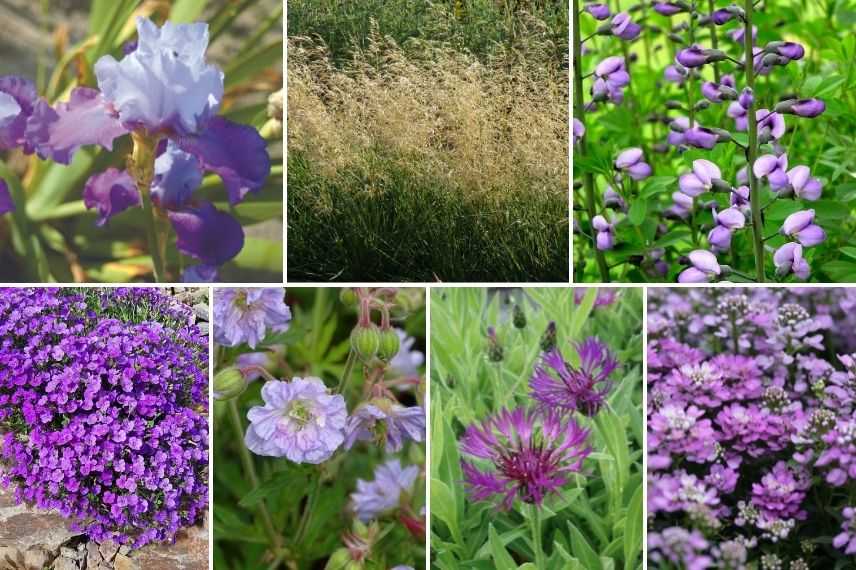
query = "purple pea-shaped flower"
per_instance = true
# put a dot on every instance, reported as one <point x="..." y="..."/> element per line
<point x="605" y="233"/>
<point x="701" y="179"/>
<point x="773" y="168"/>
<point x="597" y="10"/>
<point x="632" y="161"/>
<point x="622" y="27"/>
<point x="800" y="226"/>
<point x="705" y="267"/>
<point x="789" y="259"/>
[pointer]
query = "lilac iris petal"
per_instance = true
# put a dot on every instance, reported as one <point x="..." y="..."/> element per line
<point x="212" y="236"/>
<point x="18" y="96"/>
<point x="200" y="274"/>
<point x="112" y="192"/>
<point x="6" y="203"/>
<point x="165" y="84"/>
<point x="84" y="120"/>
<point x="177" y="175"/>
<point x="236" y="152"/>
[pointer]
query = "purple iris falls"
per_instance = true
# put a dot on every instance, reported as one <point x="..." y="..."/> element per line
<point x="164" y="90"/>
<point x="561" y="387"/>
<point x="528" y="455"/>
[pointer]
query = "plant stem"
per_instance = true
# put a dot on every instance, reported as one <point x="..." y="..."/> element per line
<point x="535" y="521"/>
<point x="579" y="114"/>
<point x="751" y="152"/>
<point x="142" y="169"/>
<point x="311" y="501"/>
<point x="689" y="83"/>
<point x="713" y="39"/>
<point x="250" y="469"/>
<point x="347" y="373"/>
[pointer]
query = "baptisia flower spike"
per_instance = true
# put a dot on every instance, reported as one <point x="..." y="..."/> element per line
<point x="300" y="421"/>
<point x="163" y="90"/>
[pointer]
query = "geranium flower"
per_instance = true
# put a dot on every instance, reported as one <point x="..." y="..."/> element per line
<point x="391" y="482"/>
<point x="244" y="316"/>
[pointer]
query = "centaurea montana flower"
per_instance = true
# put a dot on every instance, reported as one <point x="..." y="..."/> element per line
<point x="300" y="420"/>
<point x="530" y="455"/>
<point x="561" y="387"/>
<point x="244" y="316"/>
<point x="391" y="485"/>
<point x="164" y="91"/>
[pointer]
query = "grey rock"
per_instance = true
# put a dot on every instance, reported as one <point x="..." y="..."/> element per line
<point x="64" y="563"/>
<point x="37" y="557"/>
<point x="93" y="556"/>
<point x="201" y="311"/>
<point x="122" y="562"/>
<point x="108" y="550"/>
<point x="71" y="553"/>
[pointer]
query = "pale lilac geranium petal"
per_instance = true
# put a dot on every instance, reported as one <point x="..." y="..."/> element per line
<point x="212" y="236"/>
<point x="111" y="192"/>
<point x="374" y="498"/>
<point x="165" y="83"/>
<point x="245" y="315"/>
<point x="236" y="152"/>
<point x="86" y="119"/>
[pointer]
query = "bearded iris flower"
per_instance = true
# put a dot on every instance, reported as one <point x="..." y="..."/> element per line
<point x="166" y="96"/>
<point x="526" y="455"/>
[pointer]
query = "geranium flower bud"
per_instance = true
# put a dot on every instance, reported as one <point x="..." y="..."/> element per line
<point x="365" y="341"/>
<point x="348" y="297"/>
<point x="388" y="345"/>
<point x="229" y="383"/>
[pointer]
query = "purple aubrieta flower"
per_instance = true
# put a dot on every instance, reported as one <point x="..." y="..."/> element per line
<point x="164" y="89"/>
<point x="632" y="162"/>
<point x="561" y="387"/>
<point x="846" y="540"/>
<point x="705" y="267"/>
<point x="800" y="226"/>
<point x="622" y="27"/>
<point x="387" y="423"/>
<point x="605" y="233"/>
<point x="789" y="259"/>
<point x="701" y="179"/>
<point x="528" y="455"/>
<point x="244" y="316"/>
<point x="300" y="420"/>
<point x="374" y="498"/>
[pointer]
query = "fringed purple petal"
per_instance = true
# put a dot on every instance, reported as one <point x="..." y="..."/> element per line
<point x="111" y="192"/>
<point x="85" y="119"/>
<point x="236" y="152"/>
<point x="207" y="234"/>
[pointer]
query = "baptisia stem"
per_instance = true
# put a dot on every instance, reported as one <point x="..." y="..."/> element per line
<point x="141" y="167"/>
<point x="714" y="42"/>
<point x="752" y="150"/>
<point x="579" y="114"/>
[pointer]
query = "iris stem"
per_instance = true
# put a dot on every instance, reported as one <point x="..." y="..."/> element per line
<point x="535" y="521"/>
<point x="142" y="169"/>
<point x="579" y="114"/>
<point x="751" y="152"/>
<point x="250" y="469"/>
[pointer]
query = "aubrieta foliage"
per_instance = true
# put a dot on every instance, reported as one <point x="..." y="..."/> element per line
<point x="103" y="409"/>
<point x="536" y="456"/>
<point x="751" y="428"/>
<point x="331" y="468"/>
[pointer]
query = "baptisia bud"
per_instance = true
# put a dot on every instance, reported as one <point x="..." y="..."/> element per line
<point x="701" y="105"/>
<point x="720" y="185"/>
<point x="808" y="108"/>
<point x="365" y="341"/>
<point x="389" y="344"/>
<point x="229" y="383"/>
<point x="674" y="105"/>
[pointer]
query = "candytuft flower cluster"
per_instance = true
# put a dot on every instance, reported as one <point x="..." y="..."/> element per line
<point x="751" y="420"/>
<point x="103" y="410"/>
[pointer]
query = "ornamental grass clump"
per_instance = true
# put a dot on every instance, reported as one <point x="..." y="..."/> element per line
<point x="752" y="428"/>
<point x="103" y="410"/>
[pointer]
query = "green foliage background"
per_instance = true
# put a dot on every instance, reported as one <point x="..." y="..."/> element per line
<point x="596" y="523"/>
